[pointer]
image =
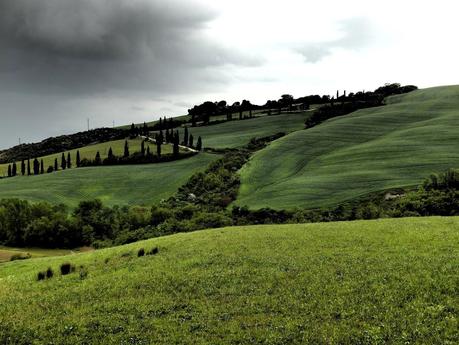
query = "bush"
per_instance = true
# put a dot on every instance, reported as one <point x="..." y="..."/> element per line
<point x="153" y="251"/>
<point x="49" y="273"/>
<point x="41" y="276"/>
<point x="141" y="252"/>
<point x="20" y="257"/>
<point x="83" y="272"/>
<point x="67" y="268"/>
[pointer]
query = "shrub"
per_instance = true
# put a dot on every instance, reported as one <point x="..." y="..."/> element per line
<point x="41" y="276"/>
<point x="20" y="257"/>
<point x="67" y="268"/>
<point x="141" y="252"/>
<point x="83" y="272"/>
<point x="153" y="251"/>
<point x="49" y="273"/>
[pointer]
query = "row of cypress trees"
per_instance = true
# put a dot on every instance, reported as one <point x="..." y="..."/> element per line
<point x="171" y="137"/>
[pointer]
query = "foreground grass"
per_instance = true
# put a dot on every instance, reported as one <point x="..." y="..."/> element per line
<point x="397" y="145"/>
<point x="90" y="151"/>
<point x="365" y="282"/>
<point x="114" y="185"/>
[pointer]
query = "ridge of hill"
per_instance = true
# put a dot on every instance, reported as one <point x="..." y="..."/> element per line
<point x="388" y="147"/>
<point x="350" y="282"/>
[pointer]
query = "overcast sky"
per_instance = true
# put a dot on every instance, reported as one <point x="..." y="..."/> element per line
<point x="63" y="61"/>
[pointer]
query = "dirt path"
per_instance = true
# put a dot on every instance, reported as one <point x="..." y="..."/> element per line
<point x="181" y="146"/>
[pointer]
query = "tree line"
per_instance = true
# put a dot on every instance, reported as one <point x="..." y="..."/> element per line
<point x="345" y="104"/>
<point x="143" y="156"/>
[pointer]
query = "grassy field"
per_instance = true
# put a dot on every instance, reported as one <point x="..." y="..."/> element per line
<point x="238" y="133"/>
<point x="7" y="252"/>
<point x="90" y="151"/>
<point x="397" y="145"/>
<point x="114" y="185"/>
<point x="365" y="282"/>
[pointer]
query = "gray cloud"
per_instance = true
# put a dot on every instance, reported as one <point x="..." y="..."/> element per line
<point x="56" y="53"/>
<point x="89" y="46"/>
<point x="356" y="34"/>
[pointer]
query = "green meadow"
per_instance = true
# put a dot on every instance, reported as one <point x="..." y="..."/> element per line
<point x="397" y="145"/>
<point x="365" y="282"/>
<point x="90" y="151"/>
<point x="114" y="185"/>
<point x="237" y="133"/>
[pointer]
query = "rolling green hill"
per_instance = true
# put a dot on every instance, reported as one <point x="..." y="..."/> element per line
<point x="396" y="145"/>
<point x="366" y="282"/>
<point x="114" y="185"/>
<point x="238" y="133"/>
<point x="89" y="152"/>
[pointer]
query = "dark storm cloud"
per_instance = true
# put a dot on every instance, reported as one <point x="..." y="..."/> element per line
<point x="356" y="34"/>
<point x="86" y="46"/>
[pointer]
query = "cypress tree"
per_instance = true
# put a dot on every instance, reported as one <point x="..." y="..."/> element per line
<point x="126" y="149"/>
<point x="199" y="144"/>
<point x="158" y="145"/>
<point x="63" y="162"/>
<point x="23" y="168"/>
<point x="110" y="154"/>
<point x="176" y="144"/>
<point x="161" y="137"/>
<point x="28" y="167"/>
<point x="56" y="165"/>
<point x="148" y="151"/>
<point x="14" y="170"/>
<point x="42" y="167"/>
<point x="185" y="137"/>
<point x="36" y="167"/>
<point x="190" y="141"/>
<point x="69" y="161"/>
<point x="142" y="148"/>
<point x="160" y="124"/>
<point x="97" y="161"/>
<point x="145" y="129"/>
<point x="9" y="170"/>
<point x="78" y="159"/>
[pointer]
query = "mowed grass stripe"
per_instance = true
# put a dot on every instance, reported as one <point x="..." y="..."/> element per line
<point x="364" y="282"/>
<point x="115" y="185"/>
<point x="370" y="150"/>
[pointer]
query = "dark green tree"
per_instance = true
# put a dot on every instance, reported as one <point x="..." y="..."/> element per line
<point x="185" y="137"/>
<point x="14" y="171"/>
<point x="97" y="160"/>
<point x="191" y="141"/>
<point x="23" y="168"/>
<point x="69" y="161"/>
<point x="42" y="167"/>
<point x="148" y="151"/>
<point x="110" y="154"/>
<point x="63" y="162"/>
<point x="199" y="144"/>
<point x="126" y="149"/>
<point x="176" y="144"/>
<point x="29" y="172"/>
<point x="158" y="144"/>
<point x="78" y="159"/>
<point x="56" y="165"/>
<point x="9" y="170"/>
<point x="36" y="167"/>
<point x="142" y="148"/>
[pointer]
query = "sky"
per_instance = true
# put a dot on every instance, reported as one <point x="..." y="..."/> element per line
<point x="122" y="61"/>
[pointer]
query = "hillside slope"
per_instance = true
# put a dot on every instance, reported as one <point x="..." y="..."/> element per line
<point x="366" y="282"/>
<point x="89" y="152"/>
<point x="114" y="185"/>
<point x="396" y="145"/>
<point x="238" y="133"/>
